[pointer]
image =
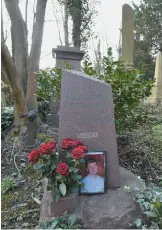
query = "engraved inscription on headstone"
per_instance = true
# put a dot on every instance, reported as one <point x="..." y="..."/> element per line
<point x="87" y="114"/>
<point x="87" y="135"/>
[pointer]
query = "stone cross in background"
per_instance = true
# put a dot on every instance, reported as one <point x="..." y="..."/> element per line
<point x="127" y="34"/>
<point x="72" y="56"/>
<point x="156" y="96"/>
<point x="87" y="114"/>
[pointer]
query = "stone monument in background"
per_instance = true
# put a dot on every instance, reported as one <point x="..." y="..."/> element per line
<point x="127" y="34"/>
<point x="73" y="57"/>
<point x="70" y="55"/>
<point x="87" y="114"/>
<point x="156" y="94"/>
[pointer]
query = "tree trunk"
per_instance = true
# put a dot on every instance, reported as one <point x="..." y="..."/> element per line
<point x="66" y="32"/>
<point x="20" y="44"/>
<point x="17" y="92"/>
<point x="76" y="18"/>
<point x="31" y="98"/>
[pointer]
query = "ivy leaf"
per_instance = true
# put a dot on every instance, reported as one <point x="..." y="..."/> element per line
<point x="43" y="225"/>
<point x="138" y="222"/>
<point x="64" y="226"/>
<point x="54" y="224"/>
<point x="151" y="214"/>
<point x="62" y="188"/>
<point x="72" y="220"/>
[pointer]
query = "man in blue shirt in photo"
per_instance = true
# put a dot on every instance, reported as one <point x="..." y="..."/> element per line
<point x="92" y="182"/>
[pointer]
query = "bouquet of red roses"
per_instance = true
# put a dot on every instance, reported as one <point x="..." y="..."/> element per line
<point x="63" y="173"/>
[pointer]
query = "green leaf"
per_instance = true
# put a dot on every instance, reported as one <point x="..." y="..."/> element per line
<point x="39" y="166"/>
<point x="65" y="213"/>
<point x="64" y="226"/>
<point x="62" y="188"/>
<point x="54" y="224"/>
<point x="43" y="225"/>
<point x="78" y="178"/>
<point x="158" y="204"/>
<point x="138" y="222"/>
<point x="55" y="193"/>
<point x="77" y="226"/>
<point x="151" y="214"/>
<point x="57" y="197"/>
<point x="72" y="220"/>
<point x="53" y="167"/>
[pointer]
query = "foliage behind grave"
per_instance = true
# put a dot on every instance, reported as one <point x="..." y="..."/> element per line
<point x="128" y="89"/>
<point x="6" y="117"/>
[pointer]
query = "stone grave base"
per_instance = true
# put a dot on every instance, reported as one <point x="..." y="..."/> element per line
<point x="114" y="210"/>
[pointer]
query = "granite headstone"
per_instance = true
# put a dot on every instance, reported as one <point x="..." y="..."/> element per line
<point x="87" y="114"/>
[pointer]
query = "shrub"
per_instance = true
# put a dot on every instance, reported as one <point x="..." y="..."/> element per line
<point x="48" y="88"/>
<point x="8" y="183"/>
<point x="128" y="90"/>
<point x="6" y="117"/>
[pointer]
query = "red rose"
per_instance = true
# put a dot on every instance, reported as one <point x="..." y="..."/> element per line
<point x="67" y="144"/>
<point x="76" y="143"/>
<point x="33" y="156"/>
<point x="48" y="147"/>
<point x="79" y="152"/>
<point x="63" y="169"/>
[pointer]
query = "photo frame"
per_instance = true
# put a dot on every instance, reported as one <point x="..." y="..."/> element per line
<point x="94" y="173"/>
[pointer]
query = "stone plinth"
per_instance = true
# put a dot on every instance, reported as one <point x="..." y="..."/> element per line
<point x="71" y="55"/>
<point x="114" y="210"/>
<point x="127" y="34"/>
<point x="156" y="95"/>
<point x="87" y="114"/>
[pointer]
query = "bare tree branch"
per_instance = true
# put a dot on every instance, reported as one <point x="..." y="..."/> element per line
<point x="66" y="32"/>
<point x="57" y="23"/>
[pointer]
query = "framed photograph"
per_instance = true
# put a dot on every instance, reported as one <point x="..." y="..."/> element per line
<point x="94" y="173"/>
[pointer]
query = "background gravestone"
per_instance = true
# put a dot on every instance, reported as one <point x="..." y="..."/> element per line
<point x="156" y="92"/>
<point x="127" y="34"/>
<point x="72" y="56"/>
<point x="87" y="113"/>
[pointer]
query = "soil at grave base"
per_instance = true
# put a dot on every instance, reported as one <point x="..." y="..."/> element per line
<point x="19" y="208"/>
<point x="133" y="158"/>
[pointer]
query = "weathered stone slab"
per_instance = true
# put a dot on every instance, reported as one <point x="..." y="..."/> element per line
<point x="114" y="210"/>
<point x="87" y="113"/>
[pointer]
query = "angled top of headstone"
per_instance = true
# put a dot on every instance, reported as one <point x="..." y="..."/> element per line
<point x="87" y="114"/>
<point x="127" y="6"/>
